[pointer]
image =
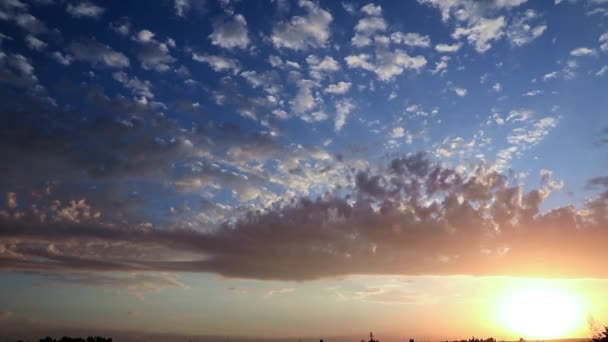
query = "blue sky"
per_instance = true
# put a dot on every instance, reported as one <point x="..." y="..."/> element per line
<point x="161" y="151"/>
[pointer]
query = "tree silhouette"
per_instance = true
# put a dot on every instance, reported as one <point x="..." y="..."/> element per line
<point x="601" y="336"/>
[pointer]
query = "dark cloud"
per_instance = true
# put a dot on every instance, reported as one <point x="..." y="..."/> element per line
<point x="411" y="217"/>
<point x="97" y="54"/>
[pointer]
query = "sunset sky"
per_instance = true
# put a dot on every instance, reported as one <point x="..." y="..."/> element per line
<point x="430" y="169"/>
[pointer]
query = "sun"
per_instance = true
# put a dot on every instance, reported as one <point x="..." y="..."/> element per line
<point x="541" y="312"/>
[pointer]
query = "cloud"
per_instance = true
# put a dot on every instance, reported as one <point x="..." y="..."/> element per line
<point x="30" y="23"/>
<point x="582" y="51"/>
<point x="533" y="93"/>
<point x="441" y="66"/>
<point x="497" y="87"/>
<point x="446" y="48"/>
<point x="470" y="10"/>
<point x="398" y="132"/>
<point x="138" y="284"/>
<point x="604" y="40"/>
<point x="97" y="54"/>
<point x="280" y="291"/>
<point x="521" y="115"/>
<point x="532" y="136"/>
<point x="474" y="222"/>
<point x="218" y="63"/>
<point x="367" y="26"/>
<point x="411" y="39"/>
<point x="17" y="70"/>
<point x="343" y="109"/>
<point x="550" y="76"/>
<point x="304" y="100"/>
<point x="61" y="58"/>
<point x="154" y="54"/>
<point x="35" y="43"/>
<point x="477" y="21"/>
<point x="85" y="9"/>
<point x="482" y="32"/>
<point x="338" y="88"/>
<point x="303" y="32"/>
<point x="181" y="7"/>
<point x="142" y="89"/>
<point x="319" y="68"/>
<point x="122" y="26"/>
<point x="371" y="9"/>
<point x="386" y="64"/>
<point x="460" y="91"/>
<point x="230" y="32"/>
<point x="520" y="32"/>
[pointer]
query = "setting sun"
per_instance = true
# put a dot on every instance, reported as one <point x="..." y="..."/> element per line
<point x="541" y="312"/>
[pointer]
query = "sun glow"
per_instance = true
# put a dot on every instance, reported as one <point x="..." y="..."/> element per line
<point x="542" y="312"/>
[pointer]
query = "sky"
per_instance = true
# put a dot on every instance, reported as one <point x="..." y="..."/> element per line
<point x="278" y="168"/>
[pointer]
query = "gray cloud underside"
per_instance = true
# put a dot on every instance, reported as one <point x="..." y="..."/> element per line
<point x="411" y="217"/>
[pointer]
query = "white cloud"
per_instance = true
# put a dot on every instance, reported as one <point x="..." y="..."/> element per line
<point x="315" y="117"/>
<point x="533" y="93"/>
<point x="338" y="88"/>
<point x="582" y="51"/>
<point x="532" y="136"/>
<point x="604" y="40"/>
<point x="218" y="63"/>
<point x="602" y="71"/>
<point x="520" y="32"/>
<point x="550" y="76"/>
<point x="343" y="109"/>
<point x="445" y="48"/>
<point x="368" y="25"/>
<point x="441" y="66"/>
<point x="325" y="64"/>
<point x="302" y="32"/>
<point x="470" y="10"/>
<point x="387" y="64"/>
<point x="371" y="9"/>
<point x="460" y="91"/>
<point x="482" y="32"/>
<point x="497" y="87"/>
<point x="230" y="32"/>
<point x="85" y="9"/>
<point x="397" y="132"/>
<point x="411" y="39"/>
<point x="304" y="100"/>
<point x="520" y="115"/>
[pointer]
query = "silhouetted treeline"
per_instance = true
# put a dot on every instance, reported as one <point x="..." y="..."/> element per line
<point x="75" y="339"/>
<point x="473" y="339"/>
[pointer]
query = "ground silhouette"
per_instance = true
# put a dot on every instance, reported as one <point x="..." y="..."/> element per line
<point x="75" y="339"/>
